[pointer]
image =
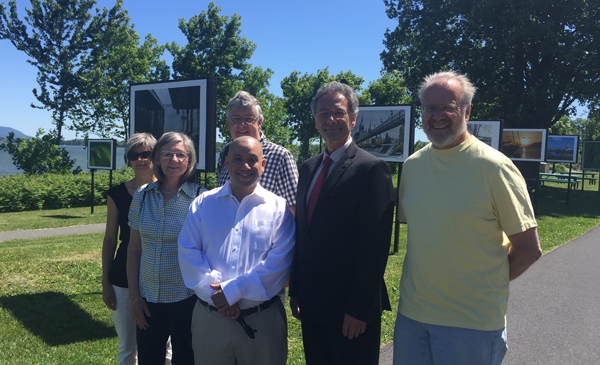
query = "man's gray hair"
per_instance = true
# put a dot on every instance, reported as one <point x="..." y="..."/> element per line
<point x="337" y="88"/>
<point x="468" y="89"/>
<point x="243" y="99"/>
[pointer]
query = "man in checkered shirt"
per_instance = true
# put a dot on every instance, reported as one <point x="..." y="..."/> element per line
<point x="244" y="118"/>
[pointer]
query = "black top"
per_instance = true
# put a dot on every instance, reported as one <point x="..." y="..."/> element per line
<point x="118" y="274"/>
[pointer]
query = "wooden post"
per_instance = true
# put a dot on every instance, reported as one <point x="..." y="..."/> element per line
<point x="92" y="188"/>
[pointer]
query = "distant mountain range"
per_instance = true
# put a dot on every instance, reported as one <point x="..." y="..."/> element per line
<point x="4" y="131"/>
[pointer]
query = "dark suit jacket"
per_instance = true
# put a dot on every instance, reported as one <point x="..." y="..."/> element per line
<point x="340" y="257"/>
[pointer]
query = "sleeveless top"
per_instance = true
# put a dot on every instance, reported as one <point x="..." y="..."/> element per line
<point x="118" y="274"/>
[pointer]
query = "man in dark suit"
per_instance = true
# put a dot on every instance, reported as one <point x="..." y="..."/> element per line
<point x="343" y="239"/>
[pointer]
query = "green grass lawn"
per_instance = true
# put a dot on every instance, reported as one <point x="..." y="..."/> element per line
<point x="51" y="218"/>
<point x="51" y="309"/>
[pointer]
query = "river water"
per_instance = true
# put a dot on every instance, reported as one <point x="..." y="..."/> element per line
<point x="78" y="153"/>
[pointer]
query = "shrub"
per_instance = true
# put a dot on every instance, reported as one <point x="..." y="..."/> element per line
<point x="55" y="191"/>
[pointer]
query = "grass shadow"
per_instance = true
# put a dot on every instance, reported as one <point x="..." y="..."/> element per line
<point x="62" y="216"/>
<point x="552" y="202"/>
<point x="55" y="318"/>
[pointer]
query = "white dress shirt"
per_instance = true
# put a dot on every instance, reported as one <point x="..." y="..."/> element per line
<point x="245" y="246"/>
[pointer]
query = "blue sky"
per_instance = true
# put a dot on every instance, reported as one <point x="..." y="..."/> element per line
<point x="290" y="35"/>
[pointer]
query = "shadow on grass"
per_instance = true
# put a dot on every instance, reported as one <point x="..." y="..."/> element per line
<point x="62" y="216"/>
<point x="55" y="319"/>
<point x="552" y="202"/>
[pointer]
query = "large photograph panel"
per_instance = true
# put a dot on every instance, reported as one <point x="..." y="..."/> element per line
<point x="384" y="131"/>
<point x="102" y="154"/>
<point x="590" y="156"/>
<point x="562" y="149"/>
<point x="524" y="144"/>
<point x="489" y="131"/>
<point x="187" y="106"/>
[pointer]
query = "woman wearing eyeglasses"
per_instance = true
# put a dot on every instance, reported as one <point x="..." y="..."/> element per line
<point x="114" y="278"/>
<point x="161" y="303"/>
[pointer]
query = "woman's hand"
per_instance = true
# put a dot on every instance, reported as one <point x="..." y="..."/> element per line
<point x="139" y="312"/>
<point x="108" y="296"/>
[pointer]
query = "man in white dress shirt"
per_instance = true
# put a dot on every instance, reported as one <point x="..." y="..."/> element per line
<point x="235" y="252"/>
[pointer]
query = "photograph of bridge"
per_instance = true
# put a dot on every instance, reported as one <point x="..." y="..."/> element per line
<point x="384" y="131"/>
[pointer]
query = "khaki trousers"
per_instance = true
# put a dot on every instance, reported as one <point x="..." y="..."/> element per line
<point x="220" y="340"/>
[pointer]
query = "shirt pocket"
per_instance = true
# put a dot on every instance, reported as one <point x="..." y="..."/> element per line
<point x="260" y="234"/>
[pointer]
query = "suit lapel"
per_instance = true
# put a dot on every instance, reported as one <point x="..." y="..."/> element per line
<point x="335" y="176"/>
<point x="339" y="169"/>
<point x="337" y="173"/>
<point x="303" y="186"/>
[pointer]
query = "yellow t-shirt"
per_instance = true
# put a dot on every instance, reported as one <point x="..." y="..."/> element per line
<point x="459" y="205"/>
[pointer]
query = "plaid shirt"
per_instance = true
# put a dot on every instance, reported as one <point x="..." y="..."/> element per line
<point x="159" y="225"/>
<point x="280" y="176"/>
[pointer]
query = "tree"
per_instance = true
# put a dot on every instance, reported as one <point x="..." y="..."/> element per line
<point x="60" y="32"/>
<point x="530" y="59"/>
<point x="216" y="48"/>
<point x="590" y="128"/>
<point x="298" y="91"/>
<point x="108" y="69"/>
<point x="389" y="89"/>
<point x="38" y="155"/>
<point x="564" y="127"/>
<point x="255" y="81"/>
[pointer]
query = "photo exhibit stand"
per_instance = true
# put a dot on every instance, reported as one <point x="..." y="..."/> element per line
<point x="92" y="192"/>
<point x="531" y="173"/>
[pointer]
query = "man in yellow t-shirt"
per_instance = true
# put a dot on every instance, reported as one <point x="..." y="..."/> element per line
<point x="471" y="229"/>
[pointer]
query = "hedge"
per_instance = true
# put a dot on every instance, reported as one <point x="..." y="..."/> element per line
<point x="55" y="191"/>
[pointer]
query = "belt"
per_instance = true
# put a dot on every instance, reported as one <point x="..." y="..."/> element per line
<point x="248" y="311"/>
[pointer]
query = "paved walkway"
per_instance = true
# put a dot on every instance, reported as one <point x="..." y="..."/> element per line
<point x="554" y="308"/>
<point x="37" y="233"/>
<point x="553" y="312"/>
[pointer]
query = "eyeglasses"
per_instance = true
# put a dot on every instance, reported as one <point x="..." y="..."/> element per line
<point x="132" y="156"/>
<point x="168" y="155"/>
<point x="244" y="120"/>
<point x="338" y="114"/>
<point x="449" y="108"/>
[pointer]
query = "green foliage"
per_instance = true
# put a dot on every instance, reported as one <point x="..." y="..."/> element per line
<point x="420" y="144"/>
<point x="38" y="155"/>
<point x="216" y="48"/>
<point x="55" y="36"/>
<point x="530" y="60"/>
<point x="589" y="129"/>
<point x="559" y="168"/>
<point x="52" y="191"/>
<point x="298" y="91"/>
<point x="20" y="193"/>
<point x="563" y="127"/>
<point x="107" y="70"/>
<point x="389" y="89"/>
